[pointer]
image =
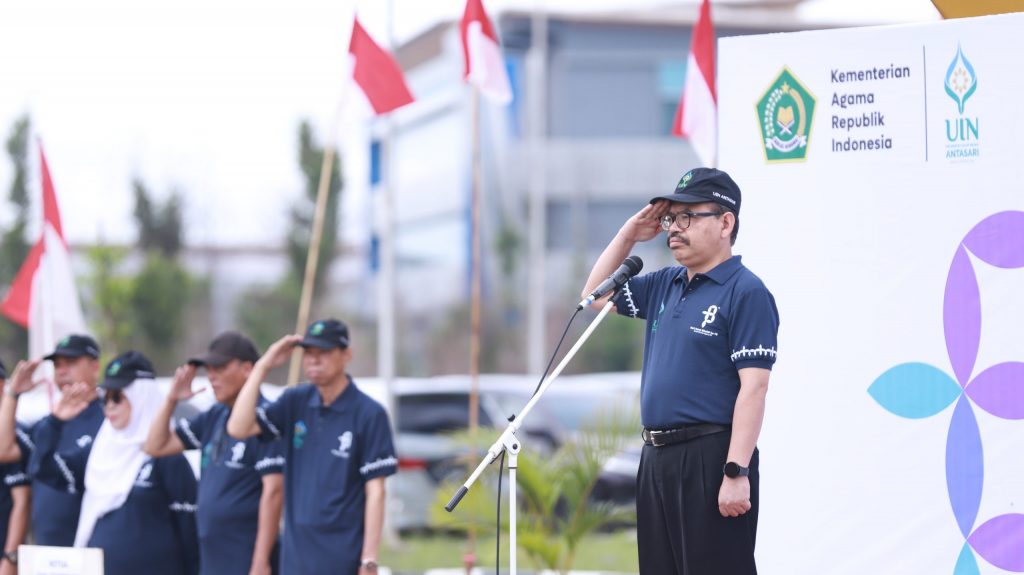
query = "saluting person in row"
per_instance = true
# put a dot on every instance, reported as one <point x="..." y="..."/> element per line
<point x="338" y="451"/>
<point x="240" y="481"/>
<point x="139" y="510"/>
<point x="75" y="361"/>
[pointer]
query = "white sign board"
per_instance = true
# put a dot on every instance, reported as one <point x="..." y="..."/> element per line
<point x="883" y="205"/>
<point x="43" y="560"/>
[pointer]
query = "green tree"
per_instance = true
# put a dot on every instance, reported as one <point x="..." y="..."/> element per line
<point x="13" y="244"/>
<point x="266" y="312"/>
<point x="110" y="293"/>
<point x="311" y="157"/>
<point x="160" y="226"/>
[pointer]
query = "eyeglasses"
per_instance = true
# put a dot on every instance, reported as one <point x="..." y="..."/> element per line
<point x="115" y="395"/>
<point x="684" y="218"/>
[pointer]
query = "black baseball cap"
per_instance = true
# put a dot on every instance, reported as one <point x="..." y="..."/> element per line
<point x="225" y="347"/>
<point x="326" y="334"/>
<point x="701" y="185"/>
<point x="125" y="369"/>
<point x="76" y="345"/>
<point x="3" y="370"/>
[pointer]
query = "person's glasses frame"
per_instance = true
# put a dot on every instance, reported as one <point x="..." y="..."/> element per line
<point x="684" y="218"/>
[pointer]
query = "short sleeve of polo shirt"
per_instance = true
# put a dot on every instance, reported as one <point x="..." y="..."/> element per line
<point x="274" y="418"/>
<point x="754" y="329"/>
<point x="269" y="457"/>
<point x="633" y="300"/>
<point x="192" y="430"/>
<point x="378" y="449"/>
<point x="14" y="475"/>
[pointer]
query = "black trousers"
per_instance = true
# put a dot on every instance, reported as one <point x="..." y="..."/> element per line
<point x="679" y="528"/>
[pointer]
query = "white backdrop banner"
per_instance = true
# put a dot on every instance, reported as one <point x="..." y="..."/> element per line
<point x="883" y="181"/>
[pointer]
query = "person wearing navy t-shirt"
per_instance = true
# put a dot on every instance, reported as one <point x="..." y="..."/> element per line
<point x="75" y="360"/>
<point x="240" y="482"/>
<point x="139" y="510"/>
<point x="710" y="344"/>
<point x="15" y="505"/>
<point x="338" y="451"/>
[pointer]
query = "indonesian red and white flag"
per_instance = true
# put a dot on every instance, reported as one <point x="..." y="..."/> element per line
<point x="377" y="73"/>
<point x="485" y="67"/>
<point x="42" y="296"/>
<point x="697" y="115"/>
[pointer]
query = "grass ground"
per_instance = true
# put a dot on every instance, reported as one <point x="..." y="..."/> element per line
<point x="415" y="554"/>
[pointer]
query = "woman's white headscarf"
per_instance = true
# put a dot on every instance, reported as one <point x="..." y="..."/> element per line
<point x="116" y="458"/>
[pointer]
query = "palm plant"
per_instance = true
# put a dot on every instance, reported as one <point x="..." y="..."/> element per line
<point x="556" y="510"/>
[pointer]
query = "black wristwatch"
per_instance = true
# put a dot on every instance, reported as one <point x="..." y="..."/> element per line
<point x="368" y="564"/>
<point x="733" y="470"/>
<point x="11" y="556"/>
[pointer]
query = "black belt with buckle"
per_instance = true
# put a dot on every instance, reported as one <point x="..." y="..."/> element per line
<point x="659" y="438"/>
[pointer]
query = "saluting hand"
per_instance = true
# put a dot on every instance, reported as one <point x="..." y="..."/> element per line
<point x="181" y="385"/>
<point x="279" y="351"/>
<point x="646" y="224"/>
<point x="73" y="401"/>
<point x="734" y="496"/>
<point x="21" y="379"/>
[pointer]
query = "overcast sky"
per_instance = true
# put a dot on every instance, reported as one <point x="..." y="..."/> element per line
<point x="206" y="97"/>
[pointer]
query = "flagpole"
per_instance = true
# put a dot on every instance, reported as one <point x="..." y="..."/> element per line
<point x="474" y="301"/>
<point x="313" y="252"/>
<point x="536" y="66"/>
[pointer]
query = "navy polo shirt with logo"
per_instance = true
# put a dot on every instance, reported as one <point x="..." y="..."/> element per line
<point x="699" y="334"/>
<point x="331" y="452"/>
<point x="154" y="530"/>
<point x="230" y="487"/>
<point x="55" y="511"/>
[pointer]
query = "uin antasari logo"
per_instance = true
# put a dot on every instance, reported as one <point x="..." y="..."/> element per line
<point x="919" y="390"/>
<point x="785" y="115"/>
<point x="962" y="131"/>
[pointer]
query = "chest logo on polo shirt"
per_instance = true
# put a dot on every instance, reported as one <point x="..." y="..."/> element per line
<point x="142" y="480"/>
<point x="299" y="435"/>
<point x="237" y="453"/>
<point x="344" y="444"/>
<point x="710" y="315"/>
<point x="83" y="441"/>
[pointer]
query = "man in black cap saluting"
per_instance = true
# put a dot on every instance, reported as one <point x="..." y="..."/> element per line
<point x="338" y="453"/>
<point x="709" y="348"/>
<point x="75" y="360"/>
<point x="241" y="483"/>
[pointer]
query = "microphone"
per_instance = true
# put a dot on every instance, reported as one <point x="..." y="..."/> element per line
<point x="629" y="268"/>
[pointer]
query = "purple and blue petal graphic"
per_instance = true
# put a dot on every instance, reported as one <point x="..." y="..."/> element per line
<point x="914" y="390"/>
<point x="998" y="240"/>
<point x="1000" y="541"/>
<point x="961" y="315"/>
<point x="966" y="564"/>
<point x="965" y="466"/>
<point x="918" y="390"/>
<point x="999" y="390"/>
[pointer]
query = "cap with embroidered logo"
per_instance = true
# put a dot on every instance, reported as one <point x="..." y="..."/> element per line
<point x="326" y="334"/>
<point x="75" y="345"/>
<point x="125" y="369"/>
<point x="701" y="185"/>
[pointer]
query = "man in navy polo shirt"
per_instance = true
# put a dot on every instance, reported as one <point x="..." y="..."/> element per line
<point x="338" y="453"/>
<point x="240" y="482"/>
<point x="710" y="344"/>
<point x="54" y="511"/>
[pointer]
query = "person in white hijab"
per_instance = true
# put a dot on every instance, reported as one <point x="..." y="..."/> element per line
<point x="139" y="510"/>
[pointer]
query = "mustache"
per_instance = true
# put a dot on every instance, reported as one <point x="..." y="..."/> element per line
<point x="668" y="240"/>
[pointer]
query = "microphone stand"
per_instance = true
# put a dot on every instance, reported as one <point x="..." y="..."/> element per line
<point x="510" y="444"/>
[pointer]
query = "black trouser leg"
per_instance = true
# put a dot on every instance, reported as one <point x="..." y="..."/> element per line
<point x="679" y="528"/>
